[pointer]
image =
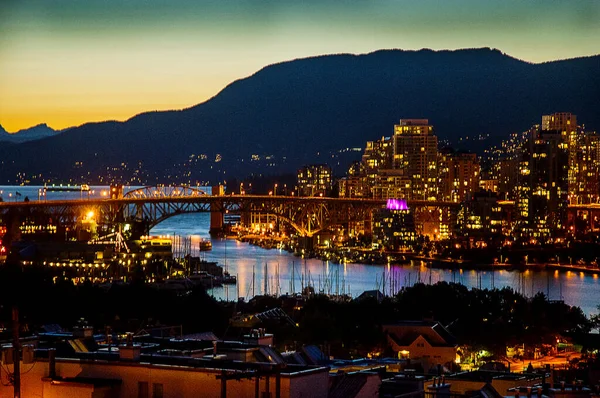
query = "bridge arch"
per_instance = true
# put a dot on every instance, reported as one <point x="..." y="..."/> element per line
<point x="168" y="191"/>
<point x="159" y="214"/>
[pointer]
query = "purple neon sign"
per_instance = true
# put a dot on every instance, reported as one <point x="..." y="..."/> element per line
<point x="396" y="204"/>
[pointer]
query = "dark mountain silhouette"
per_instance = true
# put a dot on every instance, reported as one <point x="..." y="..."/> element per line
<point x="296" y="109"/>
<point x="30" y="134"/>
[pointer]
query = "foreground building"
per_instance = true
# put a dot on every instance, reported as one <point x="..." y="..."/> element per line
<point x="423" y="341"/>
<point x="79" y="363"/>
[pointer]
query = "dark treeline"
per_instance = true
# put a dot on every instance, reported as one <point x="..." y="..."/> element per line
<point x="489" y="319"/>
<point x="45" y="298"/>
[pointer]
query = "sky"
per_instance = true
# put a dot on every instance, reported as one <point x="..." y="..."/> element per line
<point x="67" y="62"/>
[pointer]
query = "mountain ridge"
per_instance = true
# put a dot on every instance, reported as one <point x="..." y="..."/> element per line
<point x="37" y="132"/>
<point x="298" y="108"/>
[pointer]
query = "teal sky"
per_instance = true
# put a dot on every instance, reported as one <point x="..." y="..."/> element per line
<point x="66" y="62"/>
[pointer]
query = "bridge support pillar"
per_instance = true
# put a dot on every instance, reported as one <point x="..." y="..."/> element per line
<point x="306" y="242"/>
<point x="217" y="219"/>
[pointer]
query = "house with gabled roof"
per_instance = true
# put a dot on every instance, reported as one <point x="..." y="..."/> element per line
<point x="427" y="342"/>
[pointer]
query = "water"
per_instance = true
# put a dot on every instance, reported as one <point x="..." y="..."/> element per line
<point x="244" y="260"/>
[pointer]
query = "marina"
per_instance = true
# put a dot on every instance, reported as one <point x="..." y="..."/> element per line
<point x="257" y="270"/>
<point x="248" y="263"/>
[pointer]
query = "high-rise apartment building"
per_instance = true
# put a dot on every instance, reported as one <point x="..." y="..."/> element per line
<point x="376" y="159"/>
<point x="565" y="125"/>
<point x="415" y="152"/>
<point x="542" y="188"/>
<point x="458" y="175"/>
<point x="586" y="170"/>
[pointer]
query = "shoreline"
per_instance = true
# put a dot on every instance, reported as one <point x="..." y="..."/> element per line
<point x="439" y="263"/>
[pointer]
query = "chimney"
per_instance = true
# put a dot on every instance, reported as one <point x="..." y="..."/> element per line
<point x="539" y="391"/>
<point x="562" y="386"/>
<point x="130" y="351"/>
<point x="52" y="363"/>
<point x="528" y="392"/>
<point x="214" y="348"/>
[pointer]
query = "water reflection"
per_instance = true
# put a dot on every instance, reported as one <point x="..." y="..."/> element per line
<point x="261" y="270"/>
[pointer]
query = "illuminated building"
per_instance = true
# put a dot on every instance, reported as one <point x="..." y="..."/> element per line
<point x="543" y="184"/>
<point x="394" y="226"/>
<point x="488" y="185"/>
<point x="355" y="184"/>
<point x="390" y="184"/>
<point x="481" y="216"/>
<point x="378" y="155"/>
<point x="565" y="124"/>
<point x="95" y="365"/>
<point x="314" y="180"/>
<point x="352" y="187"/>
<point x="585" y="186"/>
<point x="415" y="155"/>
<point x="458" y="176"/>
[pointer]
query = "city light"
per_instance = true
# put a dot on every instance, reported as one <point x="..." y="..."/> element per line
<point x="396" y="204"/>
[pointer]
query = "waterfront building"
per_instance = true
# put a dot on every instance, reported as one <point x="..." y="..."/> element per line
<point x="585" y="187"/>
<point x="394" y="227"/>
<point x="415" y="150"/>
<point x="481" y="217"/>
<point x="542" y="188"/>
<point x="458" y="177"/>
<point x="314" y="180"/>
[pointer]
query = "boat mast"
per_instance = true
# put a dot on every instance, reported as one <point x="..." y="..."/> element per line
<point x="266" y="281"/>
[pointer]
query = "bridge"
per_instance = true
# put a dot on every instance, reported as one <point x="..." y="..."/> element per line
<point x="152" y="205"/>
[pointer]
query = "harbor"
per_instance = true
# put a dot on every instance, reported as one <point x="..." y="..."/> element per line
<point x="290" y="271"/>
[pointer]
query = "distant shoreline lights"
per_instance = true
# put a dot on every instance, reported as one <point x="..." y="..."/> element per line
<point x="396" y="204"/>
